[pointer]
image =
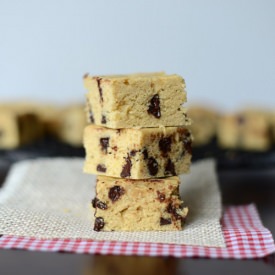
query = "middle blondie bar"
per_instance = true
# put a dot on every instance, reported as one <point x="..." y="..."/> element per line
<point x="137" y="153"/>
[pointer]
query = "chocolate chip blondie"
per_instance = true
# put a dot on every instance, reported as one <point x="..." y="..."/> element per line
<point x="137" y="153"/>
<point x="245" y="130"/>
<point x="126" y="101"/>
<point x="138" y="205"/>
<point x="17" y="129"/>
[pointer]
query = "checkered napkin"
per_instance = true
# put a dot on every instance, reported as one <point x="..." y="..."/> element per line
<point x="245" y="238"/>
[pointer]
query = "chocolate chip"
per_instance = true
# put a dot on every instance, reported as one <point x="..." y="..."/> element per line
<point x="154" y="106"/>
<point x="85" y="75"/>
<point x="172" y="210"/>
<point x="240" y="119"/>
<point x="98" y="80"/>
<point x="187" y="133"/>
<point x="89" y="108"/>
<point x="99" y="204"/>
<point x="161" y="196"/>
<point x="94" y="202"/>
<point x="165" y="221"/>
<point x="114" y="148"/>
<point x="103" y="119"/>
<point x="99" y="224"/>
<point x="101" y="168"/>
<point x="115" y="193"/>
<point x="104" y="142"/>
<point x="187" y="143"/>
<point x="91" y="117"/>
<point x="145" y="154"/>
<point x="170" y="168"/>
<point x="152" y="166"/>
<point x="126" y="169"/>
<point x="165" y="145"/>
<point x="133" y="153"/>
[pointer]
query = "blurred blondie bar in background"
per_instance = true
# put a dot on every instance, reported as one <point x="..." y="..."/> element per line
<point x="23" y="123"/>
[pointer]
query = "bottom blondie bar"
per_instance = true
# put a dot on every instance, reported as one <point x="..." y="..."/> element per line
<point x="138" y="205"/>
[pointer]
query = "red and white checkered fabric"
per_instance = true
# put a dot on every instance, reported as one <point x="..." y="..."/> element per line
<point x="244" y="234"/>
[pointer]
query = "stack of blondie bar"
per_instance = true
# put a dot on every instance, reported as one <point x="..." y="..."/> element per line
<point x="137" y="143"/>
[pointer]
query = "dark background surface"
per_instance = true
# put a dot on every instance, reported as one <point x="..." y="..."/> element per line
<point x="238" y="186"/>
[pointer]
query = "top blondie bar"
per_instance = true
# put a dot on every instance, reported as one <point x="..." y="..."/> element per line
<point x="136" y="100"/>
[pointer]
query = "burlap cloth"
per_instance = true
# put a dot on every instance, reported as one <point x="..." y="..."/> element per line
<point x="50" y="198"/>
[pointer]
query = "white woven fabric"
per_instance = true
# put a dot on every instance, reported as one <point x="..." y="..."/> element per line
<point x="50" y="198"/>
